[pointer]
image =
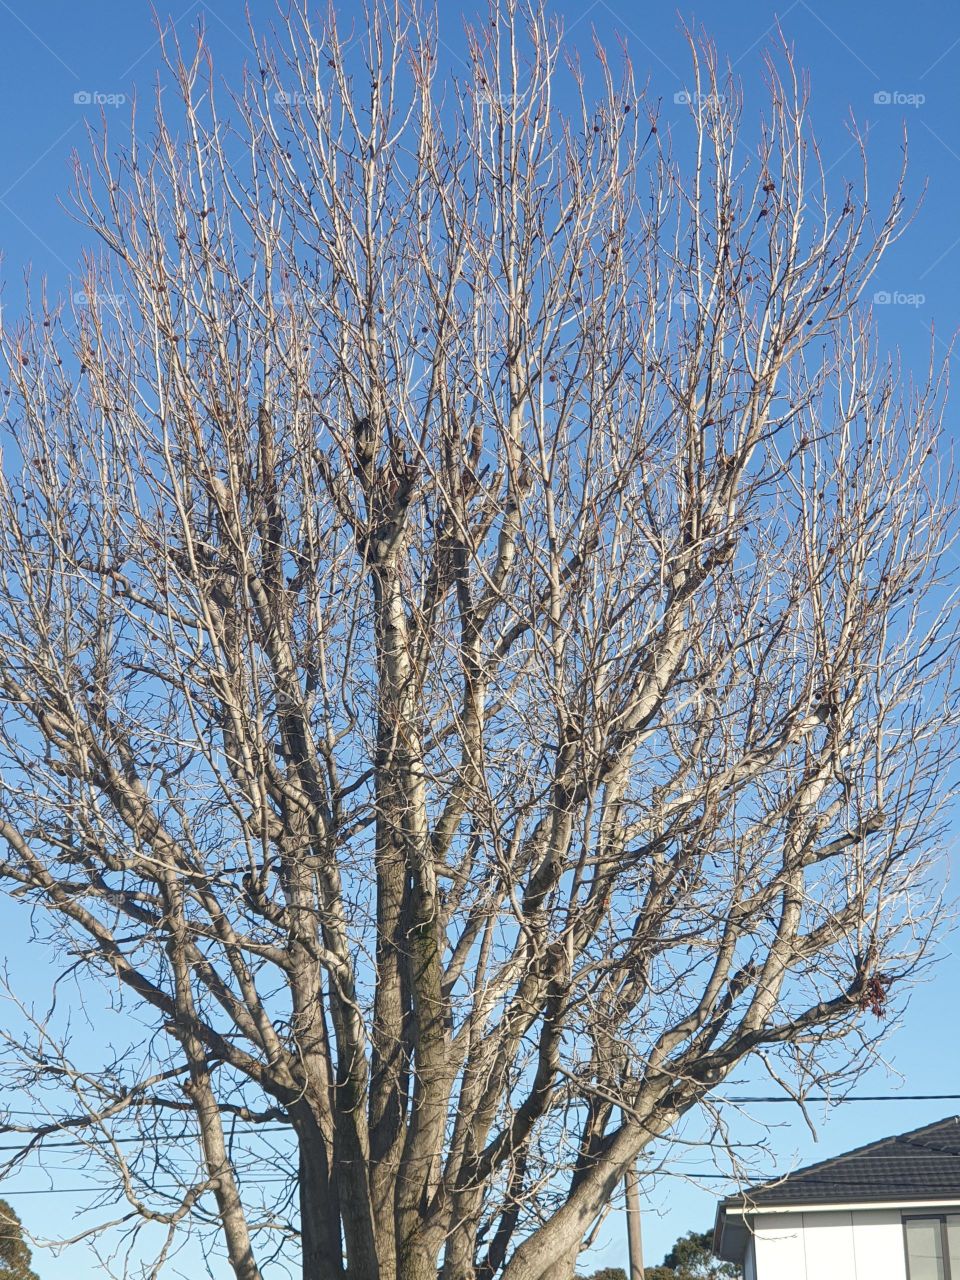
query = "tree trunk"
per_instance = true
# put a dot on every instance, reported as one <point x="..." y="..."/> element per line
<point x="321" y="1243"/>
<point x="416" y="1263"/>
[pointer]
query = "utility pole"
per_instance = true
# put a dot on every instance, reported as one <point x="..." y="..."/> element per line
<point x="631" y="1186"/>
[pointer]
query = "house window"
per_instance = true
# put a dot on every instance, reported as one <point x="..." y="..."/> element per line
<point x="933" y="1247"/>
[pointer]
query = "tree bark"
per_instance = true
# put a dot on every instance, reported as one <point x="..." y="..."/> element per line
<point x="320" y="1238"/>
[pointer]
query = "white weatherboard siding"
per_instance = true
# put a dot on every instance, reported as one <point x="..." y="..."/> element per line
<point x="878" y="1239"/>
<point x="778" y="1241"/>
<point x="828" y="1246"/>
<point x="825" y="1245"/>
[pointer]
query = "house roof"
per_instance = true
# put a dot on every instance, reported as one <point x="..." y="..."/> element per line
<point x="922" y="1165"/>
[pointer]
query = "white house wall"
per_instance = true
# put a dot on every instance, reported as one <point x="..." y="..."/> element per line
<point x="879" y="1245"/>
<point x="828" y="1245"/>
<point x="778" y="1246"/>
<point x="858" y="1245"/>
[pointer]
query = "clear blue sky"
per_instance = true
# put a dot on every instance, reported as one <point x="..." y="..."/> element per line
<point x="54" y="50"/>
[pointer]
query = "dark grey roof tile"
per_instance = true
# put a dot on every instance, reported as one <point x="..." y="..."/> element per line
<point x="922" y="1164"/>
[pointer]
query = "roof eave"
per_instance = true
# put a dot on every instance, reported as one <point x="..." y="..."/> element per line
<point x="743" y="1210"/>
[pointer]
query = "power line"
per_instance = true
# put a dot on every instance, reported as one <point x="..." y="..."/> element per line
<point x="745" y="1099"/>
<point x="852" y="1097"/>
<point x="75" y="1143"/>
<point x="64" y="1191"/>
<point x="43" y="1144"/>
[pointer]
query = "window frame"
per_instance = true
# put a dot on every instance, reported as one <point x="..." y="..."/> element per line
<point x="944" y="1239"/>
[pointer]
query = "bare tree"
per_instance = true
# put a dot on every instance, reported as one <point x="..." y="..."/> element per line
<point x="476" y="648"/>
